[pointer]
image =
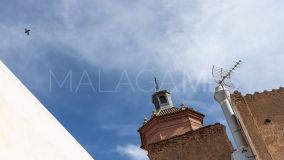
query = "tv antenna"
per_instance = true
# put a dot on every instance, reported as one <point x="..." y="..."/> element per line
<point x="223" y="77"/>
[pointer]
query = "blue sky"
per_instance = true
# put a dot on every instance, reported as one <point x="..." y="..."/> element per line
<point x="112" y="49"/>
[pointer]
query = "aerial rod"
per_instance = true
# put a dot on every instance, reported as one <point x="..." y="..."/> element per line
<point x="230" y="71"/>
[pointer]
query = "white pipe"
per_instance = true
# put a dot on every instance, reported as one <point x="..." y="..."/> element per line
<point x="243" y="152"/>
<point x="222" y="96"/>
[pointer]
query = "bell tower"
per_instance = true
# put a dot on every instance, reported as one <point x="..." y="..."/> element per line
<point x="161" y="99"/>
<point x="168" y="121"/>
<point x="177" y="133"/>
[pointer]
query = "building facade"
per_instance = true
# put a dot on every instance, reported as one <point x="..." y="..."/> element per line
<point x="261" y="116"/>
<point x="28" y="131"/>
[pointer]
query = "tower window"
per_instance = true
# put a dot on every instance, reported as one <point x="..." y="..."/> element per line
<point x="163" y="99"/>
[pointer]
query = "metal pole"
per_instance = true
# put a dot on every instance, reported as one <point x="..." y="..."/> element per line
<point x="243" y="152"/>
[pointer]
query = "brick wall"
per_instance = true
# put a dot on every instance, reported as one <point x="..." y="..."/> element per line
<point x="262" y="118"/>
<point x="207" y="143"/>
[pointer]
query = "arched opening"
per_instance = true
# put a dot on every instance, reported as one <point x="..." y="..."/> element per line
<point x="163" y="99"/>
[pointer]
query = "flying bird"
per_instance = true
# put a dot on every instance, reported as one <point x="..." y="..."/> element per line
<point x="27" y="31"/>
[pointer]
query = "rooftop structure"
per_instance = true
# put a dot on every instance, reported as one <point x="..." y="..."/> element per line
<point x="178" y="133"/>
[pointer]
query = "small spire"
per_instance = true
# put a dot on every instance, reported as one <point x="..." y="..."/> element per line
<point x="157" y="85"/>
<point x="154" y="113"/>
<point x="183" y="106"/>
<point x="145" y="120"/>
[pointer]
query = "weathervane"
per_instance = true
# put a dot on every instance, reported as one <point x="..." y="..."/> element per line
<point x="222" y="76"/>
<point x="157" y="85"/>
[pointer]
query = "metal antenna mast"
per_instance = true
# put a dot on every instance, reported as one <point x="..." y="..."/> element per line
<point x="228" y="75"/>
<point x="222" y="96"/>
<point x="222" y="76"/>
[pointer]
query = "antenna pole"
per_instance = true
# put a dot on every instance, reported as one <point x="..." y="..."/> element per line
<point x="222" y="96"/>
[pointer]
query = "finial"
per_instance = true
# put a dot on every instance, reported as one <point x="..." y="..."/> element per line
<point x="156" y="83"/>
<point x="145" y="120"/>
<point x="154" y="113"/>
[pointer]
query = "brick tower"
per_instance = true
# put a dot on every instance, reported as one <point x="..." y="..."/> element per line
<point x="178" y="133"/>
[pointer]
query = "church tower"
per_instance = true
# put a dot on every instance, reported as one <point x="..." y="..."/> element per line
<point x="168" y="121"/>
<point x="175" y="133"/>
<point x="162" y="100"/>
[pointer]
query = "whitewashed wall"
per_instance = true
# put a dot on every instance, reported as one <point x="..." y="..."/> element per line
<point x="28" y="131"/>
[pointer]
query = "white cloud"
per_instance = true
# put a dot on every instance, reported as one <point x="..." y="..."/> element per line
<point x="181" y="35"/>
<point x="188" y="36"/>
<point x="132" y="152"/>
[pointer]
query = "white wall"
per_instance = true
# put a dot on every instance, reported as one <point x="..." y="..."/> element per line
<point x="27" y="130"/>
